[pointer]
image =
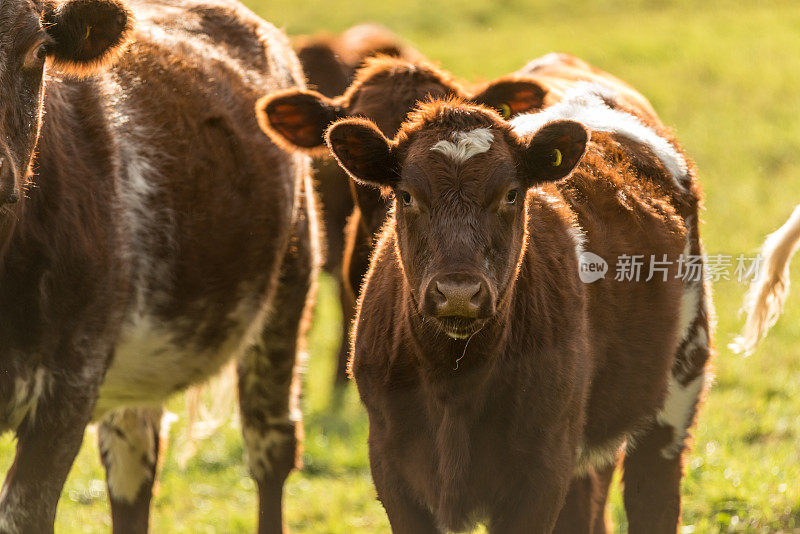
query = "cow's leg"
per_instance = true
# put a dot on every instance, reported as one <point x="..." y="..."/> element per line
<point x="535" y="505"/>
<point x="537" y="510"/>
<point x="653" y="465"/>
<point x="269" y="384"/>
<point x="652" y="484"/>
<point x="47" y="442"/>
<point x="406" y="514"/>
<point x="576" y="515"/>
<point x="584" y="509"/>
<point x="129" y="445"/>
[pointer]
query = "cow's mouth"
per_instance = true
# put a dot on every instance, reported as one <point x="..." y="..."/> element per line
<point x="460" y="327"/>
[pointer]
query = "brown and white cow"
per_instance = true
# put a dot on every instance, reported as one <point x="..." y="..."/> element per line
<point x="385" y="90"/>
<point x="494" y="377"/>
<point x="149" y="230"/>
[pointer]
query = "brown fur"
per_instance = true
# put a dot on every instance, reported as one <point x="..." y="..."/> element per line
<point x="156" y="229"/>
<point x="558" y="364"/>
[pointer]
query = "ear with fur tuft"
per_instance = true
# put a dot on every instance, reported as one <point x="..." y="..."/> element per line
<point x="364" y="152"/>
<point x="296" y="119"/>
<point x="512" y="96"/>
<point x="88" y="35"/>
<point x="555" y="150"/>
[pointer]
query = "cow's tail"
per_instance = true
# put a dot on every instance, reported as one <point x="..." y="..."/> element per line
<point x="767" y="293"/>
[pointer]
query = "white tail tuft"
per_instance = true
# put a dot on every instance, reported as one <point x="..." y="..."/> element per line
<point x="766" y="295"/>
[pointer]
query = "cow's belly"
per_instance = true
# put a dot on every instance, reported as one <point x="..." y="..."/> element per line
<point x="155" y="359"/>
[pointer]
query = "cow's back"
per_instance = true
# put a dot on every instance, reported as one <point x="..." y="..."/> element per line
<point x="207" y="200"/>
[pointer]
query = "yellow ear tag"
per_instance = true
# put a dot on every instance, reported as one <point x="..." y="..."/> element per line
<point x="557" y="158"/>
<point x="505" y="111"/>
<point x="88" y="31"/>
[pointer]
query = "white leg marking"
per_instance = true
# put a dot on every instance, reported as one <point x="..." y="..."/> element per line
<point x="129" y="450"/>
<point x="465" y="144"/>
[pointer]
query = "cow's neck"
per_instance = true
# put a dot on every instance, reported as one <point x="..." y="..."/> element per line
<point x="61" y="227"/>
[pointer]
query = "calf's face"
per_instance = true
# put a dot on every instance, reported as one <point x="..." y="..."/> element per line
<point x="75" y="37"/>
<point x="459" y="177"/>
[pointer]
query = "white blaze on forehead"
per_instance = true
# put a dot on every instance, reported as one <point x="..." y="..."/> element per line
<point x="465" y="144"/>
<point x="584" y="103"/>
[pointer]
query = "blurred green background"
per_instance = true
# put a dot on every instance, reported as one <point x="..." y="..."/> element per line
<point x="726" y="76"/>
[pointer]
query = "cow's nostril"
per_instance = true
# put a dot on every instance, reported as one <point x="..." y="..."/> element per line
<point x="477" y="296"/>
<point x="439" y="295"/>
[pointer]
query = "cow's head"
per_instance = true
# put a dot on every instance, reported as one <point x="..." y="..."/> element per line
<point x="460" y="177"/>
<point x="75" y="37"/>
<point x="385" y="91"/>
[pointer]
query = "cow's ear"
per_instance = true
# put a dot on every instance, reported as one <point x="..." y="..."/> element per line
<point x="364" y="152"/>
<point x="555" y="150"/>
<point x="88" y="35"/>
<point x="512" y="97"/>
<point x="324" y="69"/>
<point x="296" y="119"/>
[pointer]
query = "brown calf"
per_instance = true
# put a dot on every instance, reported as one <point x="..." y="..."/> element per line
<point x="385" y="90"/>
<point x="148" y="230"/>
<point x="492" y="375"/>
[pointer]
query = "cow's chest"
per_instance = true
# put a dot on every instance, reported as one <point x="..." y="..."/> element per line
<point x="454" y="460"/>
<point x="156" y="358"/>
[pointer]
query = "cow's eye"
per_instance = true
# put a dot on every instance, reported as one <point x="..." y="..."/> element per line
<point x="511" y="196"/>
<point x="505" y="111"/>
<point x="36" y="56"/>
<point x="406" y="198"/>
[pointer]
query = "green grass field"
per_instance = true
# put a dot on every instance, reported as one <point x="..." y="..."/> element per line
<point x="726" y="75"/>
